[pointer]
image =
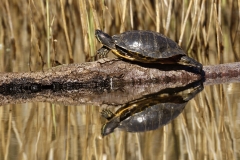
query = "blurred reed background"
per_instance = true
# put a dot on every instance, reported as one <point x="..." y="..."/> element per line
<point x="36" y="34"/>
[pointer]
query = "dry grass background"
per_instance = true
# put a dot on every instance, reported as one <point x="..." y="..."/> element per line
<point x="33" y="33"/>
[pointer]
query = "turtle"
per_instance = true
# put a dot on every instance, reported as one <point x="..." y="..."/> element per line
<point x="145" y="47"/>
<point x="150" y="112"/>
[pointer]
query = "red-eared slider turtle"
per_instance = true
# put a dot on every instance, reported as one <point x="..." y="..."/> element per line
<point x="151" y="111"/>
<point x="144" y="46"/>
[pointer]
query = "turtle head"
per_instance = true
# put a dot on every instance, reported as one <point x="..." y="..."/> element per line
<point x="104" y="38"/>
<point x="109" y="127"/>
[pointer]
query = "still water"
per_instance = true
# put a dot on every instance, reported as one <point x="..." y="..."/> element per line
<point x="205" y="127"/>
<point x="53" y="125"/>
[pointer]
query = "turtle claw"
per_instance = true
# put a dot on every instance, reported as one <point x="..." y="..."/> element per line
<point x="106" y="113"/>
<point x="102" y="52"/>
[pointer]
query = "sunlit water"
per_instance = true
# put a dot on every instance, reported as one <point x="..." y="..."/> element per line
<point x="207" y="128"/>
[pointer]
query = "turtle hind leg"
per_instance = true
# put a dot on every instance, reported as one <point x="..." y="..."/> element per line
<point x="191" y="62"/>
<point x="106" y="113"/>
<point x="102" y="52"/>
<point x="194" y="92"/>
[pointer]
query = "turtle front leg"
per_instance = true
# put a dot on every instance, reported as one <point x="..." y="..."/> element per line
<point x="106" y="113"/>
<point x="102" y="52"/>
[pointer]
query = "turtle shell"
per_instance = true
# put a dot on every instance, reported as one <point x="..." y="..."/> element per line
<point x="150" y="111"/>
<point x="152" y="117"/>
<point x="147" y="45"/>
<point x="145" y="115"/>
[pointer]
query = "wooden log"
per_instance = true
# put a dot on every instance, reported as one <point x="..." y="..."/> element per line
<point x="106" y="82"/>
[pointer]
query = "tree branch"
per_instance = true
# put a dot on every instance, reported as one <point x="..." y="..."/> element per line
<point x="106" y="81"/>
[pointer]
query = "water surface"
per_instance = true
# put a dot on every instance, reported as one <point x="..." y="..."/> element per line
<point x="208" y="128"/>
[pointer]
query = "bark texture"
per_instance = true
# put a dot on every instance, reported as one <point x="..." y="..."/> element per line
<point x="106" y="82"/>
<point x="104" y="71"/>
<point x="222" y="73"/>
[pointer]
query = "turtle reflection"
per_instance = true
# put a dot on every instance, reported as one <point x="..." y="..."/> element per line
<point x="150" y="111"/>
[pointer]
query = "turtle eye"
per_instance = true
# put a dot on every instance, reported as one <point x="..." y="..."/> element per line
<point x="97" y="31"/>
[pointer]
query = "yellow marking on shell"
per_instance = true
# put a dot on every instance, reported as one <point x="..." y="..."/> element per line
<point x="128" y="108"/>
<point x="122" y="56"/>
<point x="136" y="57"/>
